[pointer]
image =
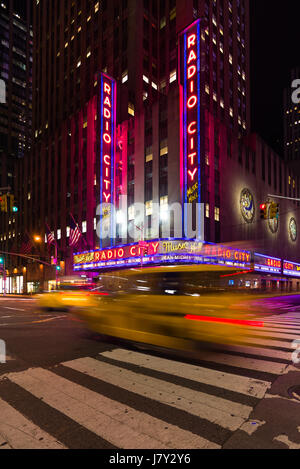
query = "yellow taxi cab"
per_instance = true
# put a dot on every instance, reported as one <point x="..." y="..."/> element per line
<point x="172" y="306"/>
<point x="69" y="296"/>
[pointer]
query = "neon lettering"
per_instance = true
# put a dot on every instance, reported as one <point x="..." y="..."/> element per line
<point x="190" y="130"/>
<point x="191" y="40"/>
<point x="107" y="138"/>
<point x="155" y="247"/>
<point x="192" y="56"/>
<point x="191" y="71"/>
<point x="107" y="88"/>
<point x="106" y="196"/>
<point x="192" y="156"/>
<point x="192" y="173"/>
<point x="107" y="102"/>
<point x="107" y="114"/>
<point x="192" y="101"/>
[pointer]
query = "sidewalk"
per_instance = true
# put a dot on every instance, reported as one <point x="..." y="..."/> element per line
<point x="11" y="295"/>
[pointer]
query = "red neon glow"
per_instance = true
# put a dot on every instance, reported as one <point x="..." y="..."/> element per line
<point x="237" y="322"/>
<point x="262" y="206"/>
<point x="237" y="273"/>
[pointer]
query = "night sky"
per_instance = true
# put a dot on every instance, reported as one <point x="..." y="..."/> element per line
<point x="275" y="49"/>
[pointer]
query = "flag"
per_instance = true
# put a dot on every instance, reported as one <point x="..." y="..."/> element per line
<point x="50" y="236"/>
<point x="27" y="245"/>
<point x="75" y="232"/>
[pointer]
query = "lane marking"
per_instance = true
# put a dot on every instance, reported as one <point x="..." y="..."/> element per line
<point x="31" y="322"/>
<point x="14" y="309"/>
<point x="117" y="423"/>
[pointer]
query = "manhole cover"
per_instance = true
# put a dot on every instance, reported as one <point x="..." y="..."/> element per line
<point x="294" y="392"/>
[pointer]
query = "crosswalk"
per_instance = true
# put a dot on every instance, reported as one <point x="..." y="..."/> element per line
<point x="130" y="399"/>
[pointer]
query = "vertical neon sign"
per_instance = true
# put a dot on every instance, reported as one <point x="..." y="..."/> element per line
<point x="107" y="152"/>
<point x="190" y="100"/>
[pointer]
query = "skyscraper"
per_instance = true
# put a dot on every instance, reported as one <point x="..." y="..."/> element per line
<point x="16" y="73"/>
<point x="16" y="41"/>
<point x="292" y="122"/>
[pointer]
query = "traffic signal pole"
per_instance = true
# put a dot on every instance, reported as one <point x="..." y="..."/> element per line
<point x="4" y="278"/>
<point x="56" y="271"/>
<point x="282" y="197"/>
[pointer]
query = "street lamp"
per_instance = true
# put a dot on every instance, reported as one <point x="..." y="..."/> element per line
<point x="37" y="238"/>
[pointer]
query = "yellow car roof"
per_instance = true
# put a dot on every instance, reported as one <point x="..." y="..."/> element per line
<point x="174" y="268"/>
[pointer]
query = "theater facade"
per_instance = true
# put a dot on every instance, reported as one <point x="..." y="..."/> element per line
<point x="219" y="178"/>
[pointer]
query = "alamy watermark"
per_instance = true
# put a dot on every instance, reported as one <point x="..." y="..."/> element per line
<point x="296" y="92"/>
<point x="2" y="351"/>
<point x="175" y="220"/>
<point x="296" y="353"/>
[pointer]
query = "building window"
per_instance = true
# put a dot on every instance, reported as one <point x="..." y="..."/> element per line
<point x="131" y="212"/>
<point x="131" y="109"/>
<point x="173" y="76"/>
<point x="149" y="208"/>
<point x="217" y="214"/>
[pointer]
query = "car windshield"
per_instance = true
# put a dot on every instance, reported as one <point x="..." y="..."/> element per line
<point x="76" y="287"/>
<point x="176" y="283"/>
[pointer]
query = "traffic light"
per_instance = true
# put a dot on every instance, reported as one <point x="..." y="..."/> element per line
<point x="274" y="210"/>
<point x="263" y="211"/>
<point x="3" y="203"/>
<point x="57" y="267"/>
<point x="1" y="260"/>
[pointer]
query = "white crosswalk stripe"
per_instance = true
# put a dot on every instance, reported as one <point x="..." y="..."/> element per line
<point x="221" y="401"/>
<point x="23" y="433"/>
<point x="111" y="420"/>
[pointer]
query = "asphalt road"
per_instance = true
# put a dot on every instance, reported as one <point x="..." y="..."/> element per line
<point x="63" y="386"/>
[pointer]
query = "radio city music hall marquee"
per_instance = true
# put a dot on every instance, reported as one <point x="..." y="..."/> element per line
<point x="107" y="149"/>
<point x="189" y="79"/>
<point x="156" y="250"/>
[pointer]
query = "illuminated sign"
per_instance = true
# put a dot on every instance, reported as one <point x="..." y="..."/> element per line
<point x="160" y="251"/>
<point x="267" y="264"/>
<point x="189" y="65"/>
<point x="107" y="150"/>
<point x="290" y="268"/>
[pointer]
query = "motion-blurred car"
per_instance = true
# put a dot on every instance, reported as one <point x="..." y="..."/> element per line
<point x="171" y="306"/>
<point x="70" y="297"/>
